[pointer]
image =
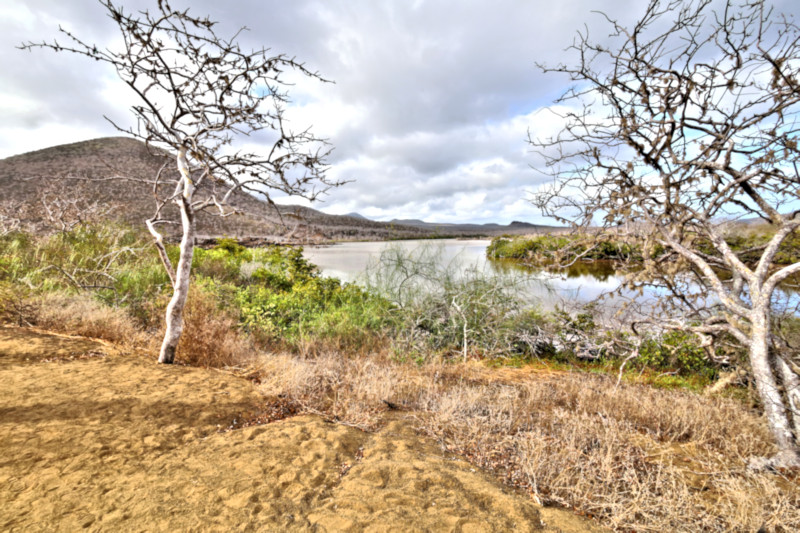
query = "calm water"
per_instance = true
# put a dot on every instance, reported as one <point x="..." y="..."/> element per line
<point x="349" y="262"/>
<point x="581" y="284"/>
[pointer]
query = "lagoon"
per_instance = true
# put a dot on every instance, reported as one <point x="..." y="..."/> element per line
<point x="585" y="283"/>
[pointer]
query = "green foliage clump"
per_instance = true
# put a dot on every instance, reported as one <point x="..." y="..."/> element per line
<point x="116" y="262"/>
<point x="748" y="244"/>
<point x="525" y="247"/>
<point x="543" y="249"/>
<point x="677" y="351"/>
<point x="222" y="262"/>
<point x="284" y="300"/>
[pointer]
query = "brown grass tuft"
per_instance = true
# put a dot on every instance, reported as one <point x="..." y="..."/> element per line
<point x="635" y="457"/>
<point x="80" y="314"/>
<point x="352" y="391"/>
<point x="211" y="337"/>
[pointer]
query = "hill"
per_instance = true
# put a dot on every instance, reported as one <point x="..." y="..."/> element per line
<point x="515" y="228"/>
<point x="79" y="172"/>
<point x="66" y="180"/>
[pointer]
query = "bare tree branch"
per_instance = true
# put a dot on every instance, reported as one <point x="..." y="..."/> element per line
<point x="687" y="121"/>
<point x="199" y="95"/>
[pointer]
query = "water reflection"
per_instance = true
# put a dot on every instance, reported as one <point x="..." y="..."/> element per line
<point x="599" y="271"/>
<point x="582" y="282"/>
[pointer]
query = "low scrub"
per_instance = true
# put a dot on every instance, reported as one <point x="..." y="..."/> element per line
<point x="633" y="457"/>
<point x="210" y="337"/>
<point x="284" y="303"/>
<point x="449" y="310"/>
<point x="747" y="243"/>
<point x="544" y="249"/>
<point x="351" y="390"/>
<point x="82" y="314"/>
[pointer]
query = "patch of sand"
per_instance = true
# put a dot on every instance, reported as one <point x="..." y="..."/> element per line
<point x="94" y="439"/>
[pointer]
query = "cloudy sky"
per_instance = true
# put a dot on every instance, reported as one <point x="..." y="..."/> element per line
<point x="428" y="115"/>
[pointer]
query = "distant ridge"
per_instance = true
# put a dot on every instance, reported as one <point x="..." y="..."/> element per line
<point x="24" y="178"/>
<point x="516" y="227"/>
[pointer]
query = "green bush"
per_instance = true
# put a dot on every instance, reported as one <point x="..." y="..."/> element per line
<point x="286" y="301"/>
<point x="222" y="262"/>
<point x="677" y="351"/>
<point x="116" y="262"/>
<point x="542" y="249"/>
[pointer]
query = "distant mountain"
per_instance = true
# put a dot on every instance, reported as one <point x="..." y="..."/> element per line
<point x="408" y="222"/>
<point x="80" y="171"/>
<point x="515" y="228"/>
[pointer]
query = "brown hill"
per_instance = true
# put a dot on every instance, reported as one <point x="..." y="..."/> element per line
<point x="78" y="173"/>
<point x="515" y="228"/>
<point x="73" y="179"/>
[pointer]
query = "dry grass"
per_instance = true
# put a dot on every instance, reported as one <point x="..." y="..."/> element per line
<point x="351" y="391"/>
<point x="638" y="458"/>
<point x="634" y="457"/>
<point x="83" y="315"/>
<point x="210" y="337"/>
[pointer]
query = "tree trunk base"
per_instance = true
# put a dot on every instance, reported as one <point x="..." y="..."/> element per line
<point x="787" y="459"/>
<point x="167" y="356"/>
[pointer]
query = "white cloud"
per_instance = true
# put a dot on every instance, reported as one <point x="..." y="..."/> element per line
<point x="429" y="112"/>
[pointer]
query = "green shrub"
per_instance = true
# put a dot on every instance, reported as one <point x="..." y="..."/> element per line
<point x="678" y="351"/>
<point x="543" y="249"/>
<point x="222" y="262"/>
<point x="285" y="301"/>
<point x="449" y="309"/>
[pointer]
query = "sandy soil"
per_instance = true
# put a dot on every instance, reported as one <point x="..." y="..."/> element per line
<point x="94" y="439"/>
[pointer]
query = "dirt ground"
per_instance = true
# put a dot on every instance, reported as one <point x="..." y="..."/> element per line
<point x="94" y="439"/>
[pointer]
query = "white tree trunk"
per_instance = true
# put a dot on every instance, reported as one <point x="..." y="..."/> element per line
<point x="791" y="386"/>
<point x="181" y="287"/>
<point x="770" y="394"/>
<point x="184" y="270"/>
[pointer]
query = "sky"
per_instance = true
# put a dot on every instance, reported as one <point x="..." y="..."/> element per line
<point x="429" y="114"/>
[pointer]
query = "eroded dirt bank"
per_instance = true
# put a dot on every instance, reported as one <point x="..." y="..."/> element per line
<point x="90" y="438"/>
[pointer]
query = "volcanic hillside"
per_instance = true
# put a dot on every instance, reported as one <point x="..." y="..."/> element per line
<point x="91" y="175"/>
<point x="78" y="172"/>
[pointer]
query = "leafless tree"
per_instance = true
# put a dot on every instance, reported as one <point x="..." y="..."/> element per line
<point x="9" y="218"/>
<point x="198" y="95"/>
<point x="686" y="121"/>
<point x="50" y="210"/>
<point x="64" y="213"/>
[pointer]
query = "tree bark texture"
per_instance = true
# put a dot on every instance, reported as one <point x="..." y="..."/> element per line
<point x="180" y="292"/>
<point x="181" y="288"/>
<point x="774" y="406"/>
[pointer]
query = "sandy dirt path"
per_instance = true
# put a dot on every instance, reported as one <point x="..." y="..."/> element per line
<point x="91" y="439"/>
